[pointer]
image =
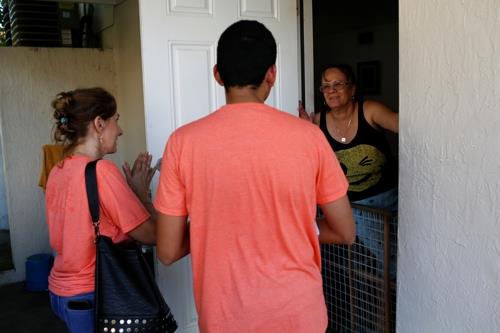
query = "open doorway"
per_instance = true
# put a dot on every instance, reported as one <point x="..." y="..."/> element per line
<point x="360" y="280"/>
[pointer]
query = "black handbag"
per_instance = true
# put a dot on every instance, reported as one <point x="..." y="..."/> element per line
<point x="127" y="298"/>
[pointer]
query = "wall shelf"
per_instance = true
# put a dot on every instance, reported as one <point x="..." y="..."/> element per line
<point x="102" y="2"/>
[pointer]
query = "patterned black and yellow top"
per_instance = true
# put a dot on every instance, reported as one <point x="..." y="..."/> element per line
<point x="366" y="160"/>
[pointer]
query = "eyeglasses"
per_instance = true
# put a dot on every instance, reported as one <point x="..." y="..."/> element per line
<point x="335" y="86"/>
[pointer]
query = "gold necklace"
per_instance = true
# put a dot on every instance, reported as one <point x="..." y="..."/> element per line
<point x="343" y="138"/>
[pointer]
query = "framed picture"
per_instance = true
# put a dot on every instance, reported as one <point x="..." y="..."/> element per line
<point x="369" y="77"/>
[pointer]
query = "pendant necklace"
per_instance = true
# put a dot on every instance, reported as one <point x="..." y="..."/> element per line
<point x="343" y="138"/>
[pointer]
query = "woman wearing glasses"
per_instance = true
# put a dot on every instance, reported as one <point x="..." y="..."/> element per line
<point x="355" y="130"/>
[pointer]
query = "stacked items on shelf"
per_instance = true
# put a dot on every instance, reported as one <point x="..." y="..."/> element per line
<point x="69" y="21"/>
<point x="5" y="20"/>
<point x="34" y="23"/>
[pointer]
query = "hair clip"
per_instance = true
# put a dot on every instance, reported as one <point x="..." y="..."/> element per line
<point x="63" y="120"/>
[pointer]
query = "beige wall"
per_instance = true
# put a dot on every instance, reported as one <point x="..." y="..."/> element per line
<point x="127" y="54"/>
<point x="121" y="32"/>
<point x="449" y="230"/>
<point x="30" y="79"/>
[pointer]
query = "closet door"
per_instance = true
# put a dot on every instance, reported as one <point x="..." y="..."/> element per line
<point x="178" y="41"/>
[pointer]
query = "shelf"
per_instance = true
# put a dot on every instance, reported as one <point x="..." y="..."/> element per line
<point x="102" y="2"/>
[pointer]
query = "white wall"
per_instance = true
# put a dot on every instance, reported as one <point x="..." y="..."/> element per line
<point x="449" y="230"/>
<point x="30" y="79"/>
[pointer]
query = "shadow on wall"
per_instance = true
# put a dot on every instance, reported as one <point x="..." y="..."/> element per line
<point x="5" y="249"/>
<point x="4" y="221"/>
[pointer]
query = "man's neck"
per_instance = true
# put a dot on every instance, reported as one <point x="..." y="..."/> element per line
<point x="246" y="94"/>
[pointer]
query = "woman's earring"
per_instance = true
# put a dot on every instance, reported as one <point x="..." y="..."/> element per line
<point x="324" y="102"/>
<point x="100" y="139"/>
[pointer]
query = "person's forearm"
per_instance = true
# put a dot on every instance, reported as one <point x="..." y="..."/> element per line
<point x="329" y="236"/>
<point x="338" y="225"/>
<point x="151" y="209"/>
<point x="145" y="198"/>
<point x="185" y="248"/>
<point x="168" y="252"/>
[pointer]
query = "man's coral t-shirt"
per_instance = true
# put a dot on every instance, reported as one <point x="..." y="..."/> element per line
<point x="249" y="177"/>
<point x="70" y="225"/>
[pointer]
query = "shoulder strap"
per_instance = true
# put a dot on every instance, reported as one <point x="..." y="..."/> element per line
<point x="92" y="193"/>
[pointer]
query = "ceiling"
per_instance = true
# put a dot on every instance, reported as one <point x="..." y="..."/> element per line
<point x="103" y="2"/>
<point x="342" y="15"/>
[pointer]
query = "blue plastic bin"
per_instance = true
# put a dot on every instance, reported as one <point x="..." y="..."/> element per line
<point x="38" y="267"/>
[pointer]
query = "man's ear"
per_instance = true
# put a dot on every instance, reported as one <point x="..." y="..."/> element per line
<point x="217" y="76"/>
<point x="270" y="77"/>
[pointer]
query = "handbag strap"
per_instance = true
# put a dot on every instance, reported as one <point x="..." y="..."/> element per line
<point x="92" y="193"/>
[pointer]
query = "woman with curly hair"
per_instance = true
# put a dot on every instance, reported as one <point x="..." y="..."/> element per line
<point x="87" y="126"/>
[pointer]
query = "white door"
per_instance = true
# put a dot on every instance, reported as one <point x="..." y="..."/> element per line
<point x="179" y="40"/>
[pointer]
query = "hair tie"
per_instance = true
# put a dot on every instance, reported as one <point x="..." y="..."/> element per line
<point x="63" y="120"/>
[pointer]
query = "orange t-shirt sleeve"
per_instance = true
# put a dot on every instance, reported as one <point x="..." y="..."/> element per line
<point x="331" y="181"/>
<point x="120" y="207"/>
<point x="171" y="193"/>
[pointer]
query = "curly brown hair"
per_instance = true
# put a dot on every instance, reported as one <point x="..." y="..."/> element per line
<point x="74" y="110"/>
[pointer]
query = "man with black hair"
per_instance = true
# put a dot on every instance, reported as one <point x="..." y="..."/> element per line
<point x="249" y="177"/>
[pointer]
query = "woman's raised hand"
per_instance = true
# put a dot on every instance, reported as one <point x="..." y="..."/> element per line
<point x="303" y="113"/>
<point x="140" y="175"/>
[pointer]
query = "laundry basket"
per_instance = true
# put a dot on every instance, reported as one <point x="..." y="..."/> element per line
<point x="38" y="267"/>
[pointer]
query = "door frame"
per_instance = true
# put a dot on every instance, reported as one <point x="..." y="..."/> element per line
<point x="306" y="60"/>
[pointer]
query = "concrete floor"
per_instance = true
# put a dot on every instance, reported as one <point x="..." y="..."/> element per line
<point x="27" y="312"/>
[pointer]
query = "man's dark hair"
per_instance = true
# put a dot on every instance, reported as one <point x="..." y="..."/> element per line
<point x="246" y="50"/>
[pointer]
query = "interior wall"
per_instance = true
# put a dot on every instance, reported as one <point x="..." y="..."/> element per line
<point x="30" y="79"/>
<point x="333" y="47"/>
<point x="104" y="19"/>
<point x="448" y="265"/>
<point x="127" y="55"/>
<point x="4" y="216"/>
<point x="119" y="30"/>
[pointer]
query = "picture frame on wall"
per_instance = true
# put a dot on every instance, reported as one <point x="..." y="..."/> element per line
<point x="369" y="77"/>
